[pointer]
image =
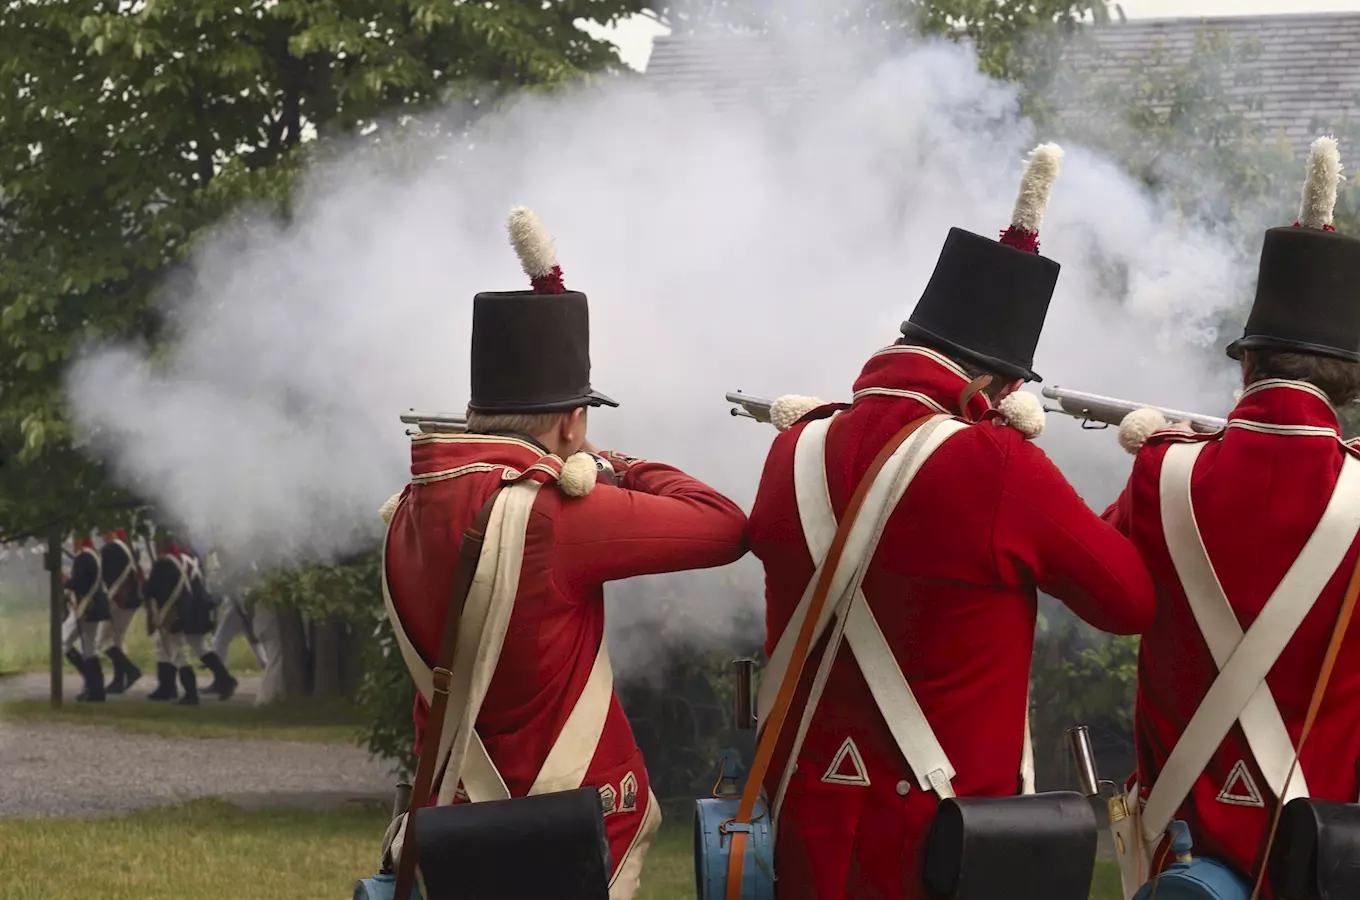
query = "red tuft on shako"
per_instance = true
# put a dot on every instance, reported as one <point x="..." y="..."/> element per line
<point x="1027" y="241"/>
<point x="550" y="283"/>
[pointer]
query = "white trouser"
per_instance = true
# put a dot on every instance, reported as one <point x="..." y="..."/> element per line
<point x="113" y="632"/>
<point x="198" y="643"/>
<point x="176" y="649"/>
<point x="69" y="633"/>
<point x="158" y="644"/>
<point x="232" y="626"/>
<point x="83" y="634"/>
<point x="267" y="630"/>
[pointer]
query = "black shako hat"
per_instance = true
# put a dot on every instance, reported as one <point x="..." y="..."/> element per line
<point x="987" y="300"/>
<point x="1308" y="287"/>
<point x="531" y="349"/>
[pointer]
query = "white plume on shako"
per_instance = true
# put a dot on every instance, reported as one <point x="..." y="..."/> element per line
<point x="723" y="248"/>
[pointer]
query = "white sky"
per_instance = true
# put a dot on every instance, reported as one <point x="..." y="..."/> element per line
<point x="634" y="36"/>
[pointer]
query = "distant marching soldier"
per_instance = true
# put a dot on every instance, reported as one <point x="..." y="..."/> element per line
<point x="239" y="618"/>
<point x="201" y="622"/>
<point x="169" y="598"/>
<point x="89" y="606"/>
<point x="122" y="579"/>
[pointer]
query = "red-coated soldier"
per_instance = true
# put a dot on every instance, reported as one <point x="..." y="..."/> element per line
<point x="550" y="719"/>
<point x="1220" y="519"/>
<point x="985" y="524"/>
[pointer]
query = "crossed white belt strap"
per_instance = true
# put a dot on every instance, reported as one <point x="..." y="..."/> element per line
<point x="83" y="603"/>
<point x="113" y="589"/>
<point x="1240" y="692"/>
<point x="486" y="615"/>
<point x="164" y="612"/>
<point x="854" y="620"/>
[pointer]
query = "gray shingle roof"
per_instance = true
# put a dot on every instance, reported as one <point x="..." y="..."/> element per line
<point x="1304" y="77"/>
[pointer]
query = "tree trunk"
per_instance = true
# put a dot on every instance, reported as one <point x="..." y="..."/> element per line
<point x="293" y="641"/>
<point x="328" y="654"/>
<point x="352" y="660"/>
<point x="56" y="616"/>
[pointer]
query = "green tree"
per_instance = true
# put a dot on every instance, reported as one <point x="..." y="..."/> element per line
<point x="125" y="130"/>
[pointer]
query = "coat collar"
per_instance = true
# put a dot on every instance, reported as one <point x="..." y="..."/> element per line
<point x="438" y="457"/>
<point x="1276" y="406"/>
<point x="922" y="375"/>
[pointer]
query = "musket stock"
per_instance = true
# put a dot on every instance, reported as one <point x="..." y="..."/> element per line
<point x="1097" y="411"/>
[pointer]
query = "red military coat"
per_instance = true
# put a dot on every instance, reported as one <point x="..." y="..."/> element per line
<point x="657" y="520"/>
<point x="986" y="523"/>
<point x="1258" y="489"/>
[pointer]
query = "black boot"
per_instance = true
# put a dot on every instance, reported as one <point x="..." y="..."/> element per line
<point x="125" y="674"/>
<point x="116" y="684"/>
<point x="224" y="685"/>
<point x="78" y="663"/>
<point x="190" y="682"/>
<point x="94" y="681"/>
<point x="165" y="674"/>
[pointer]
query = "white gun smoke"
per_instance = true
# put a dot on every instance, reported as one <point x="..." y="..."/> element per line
<point x="722" y="248"/>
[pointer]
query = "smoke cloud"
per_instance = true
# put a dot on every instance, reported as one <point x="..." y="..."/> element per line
<point x="722" y="248"/>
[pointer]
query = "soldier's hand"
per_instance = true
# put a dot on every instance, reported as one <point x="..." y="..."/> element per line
<point x="1183" y="425"/>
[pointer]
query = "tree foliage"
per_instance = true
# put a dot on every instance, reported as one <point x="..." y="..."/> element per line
<point x="126" y="128"/>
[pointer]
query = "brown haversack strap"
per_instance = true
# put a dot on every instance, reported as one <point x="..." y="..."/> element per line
<point x="469" y="554"/>
<point x="798" y="658"/>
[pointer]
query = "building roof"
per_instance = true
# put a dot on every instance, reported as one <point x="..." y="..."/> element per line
<point x="1302" y="77"/>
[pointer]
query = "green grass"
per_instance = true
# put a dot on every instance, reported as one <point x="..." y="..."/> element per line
<point x="337" y="724"/>
<point x="209" y="848"/>
<point x="24" y="642"/>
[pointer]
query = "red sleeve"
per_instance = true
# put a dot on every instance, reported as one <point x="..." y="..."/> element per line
<point x="1119" y="516"/>
<point x="1071" y="554"/>
<point x="658" y="520"/>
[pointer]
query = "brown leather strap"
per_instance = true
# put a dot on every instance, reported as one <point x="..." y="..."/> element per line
<point x="469" y="554"/>
<point x="798" y="658"/>
<point x="1343" y="621"/>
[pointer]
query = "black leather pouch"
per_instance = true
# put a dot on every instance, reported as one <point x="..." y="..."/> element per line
<point x="528" y="848"/>
<point x="1317" y="851"/>
<point x="1030" y="847"/>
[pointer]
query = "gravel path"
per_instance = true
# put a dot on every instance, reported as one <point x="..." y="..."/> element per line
<point x="55" y="769"/>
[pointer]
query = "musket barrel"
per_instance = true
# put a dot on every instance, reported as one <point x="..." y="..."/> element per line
<point x="434" y="421"/>
<point x="1112" y="410"/>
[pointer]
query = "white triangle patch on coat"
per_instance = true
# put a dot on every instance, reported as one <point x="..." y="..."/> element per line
<point x="847" y="767"/>
<point x="1240" y="789"/>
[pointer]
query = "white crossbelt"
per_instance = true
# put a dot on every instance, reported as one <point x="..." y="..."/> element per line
<point x="854" y="619"/>
<point x="83" y="603"/>
<point x="163" y="612"/>
<point x="113" y="589"/>
<point x="481" y="637"/>
<point x="1240" y="692"/>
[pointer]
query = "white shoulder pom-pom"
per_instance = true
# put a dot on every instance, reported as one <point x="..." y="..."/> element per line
<point x="389" y="509"/>
<point x="790" y="408"/>
<point x="1024" y="413"/>
<point x="533" y="245"/>
<point x="1138" y="426"/>
<point x="1319" y="187"/>
<point x="579" y="473"/>
<point x="1041" y="172"/>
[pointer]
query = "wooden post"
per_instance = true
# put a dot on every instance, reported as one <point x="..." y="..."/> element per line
<point x="57" y="614"/>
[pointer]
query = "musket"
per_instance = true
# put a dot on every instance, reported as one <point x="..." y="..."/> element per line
<point x="435" y="423"/>
<point x="749" y="407"/>
<point x="1096" y="411"/>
